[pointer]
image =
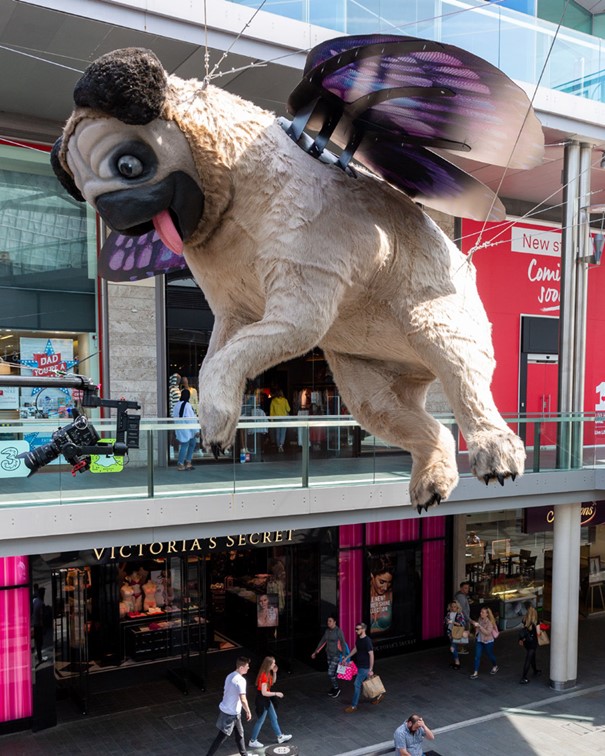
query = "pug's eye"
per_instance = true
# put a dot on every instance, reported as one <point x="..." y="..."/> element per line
<point x="130" y="166"/>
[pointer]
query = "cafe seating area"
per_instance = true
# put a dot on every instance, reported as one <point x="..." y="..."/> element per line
<point x="496" y="566"/>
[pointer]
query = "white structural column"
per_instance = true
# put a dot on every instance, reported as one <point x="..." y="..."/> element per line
<point x="572" y="331"/>
<point x="565" y="597"/>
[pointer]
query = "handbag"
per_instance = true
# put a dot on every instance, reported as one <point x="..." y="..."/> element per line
<point x="543" y="639"/>
<point x="262" y="702"/>
<point x="346" y="670"/>
<point x="457" y="632"/>
<point x="372" y="687"/>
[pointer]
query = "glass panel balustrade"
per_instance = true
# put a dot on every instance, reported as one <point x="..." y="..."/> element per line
<point x="322" y="452"/>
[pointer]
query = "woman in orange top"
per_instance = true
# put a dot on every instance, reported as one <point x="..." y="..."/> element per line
<point x="267" y="675"/>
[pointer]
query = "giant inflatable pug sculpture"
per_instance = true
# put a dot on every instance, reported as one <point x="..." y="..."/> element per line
<point x="293" y="252"/>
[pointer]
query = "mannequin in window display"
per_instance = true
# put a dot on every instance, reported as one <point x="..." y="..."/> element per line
<point x="76" y="583"/>
<point x="193" y="398"/>
<point x="276" y="584"/>
<point x="160" y="592"/>
<point x="149" y="590"/>
<point x="137" y="597"/>
<point x="127" y="596"/>
<point x="317" y="436"/>
<point x="136" y="579"/>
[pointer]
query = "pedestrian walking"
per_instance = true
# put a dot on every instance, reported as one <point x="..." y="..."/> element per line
<point x="363" y="651"/>
<point x="528" y="639"/>
<point x="462" y="598"/>
<point x="456" y="628"/>
<point x="334" y="642"/>
<point x="279" y="407"/>
<point x="265" y="702"/>
<point x="409" y="736"/>
<point x="486" y="632"/>
<point x="230" y="708"/>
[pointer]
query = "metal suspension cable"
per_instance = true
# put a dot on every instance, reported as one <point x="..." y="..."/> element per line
<point x="530" y="106"/>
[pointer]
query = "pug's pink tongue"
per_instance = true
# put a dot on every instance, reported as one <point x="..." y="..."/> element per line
<point x="162" y="222"/>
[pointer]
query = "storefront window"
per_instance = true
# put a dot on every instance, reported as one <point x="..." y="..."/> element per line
<point x="508" y="561"/>
<point x="46" y="354"/>
<point x="128" y="605"/>
<point x="47" y="247"/>
<point x="47" y="290"/>
<point x="392" y="576"/>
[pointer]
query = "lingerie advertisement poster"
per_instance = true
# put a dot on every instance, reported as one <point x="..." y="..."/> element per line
<point x="393" y="590"/>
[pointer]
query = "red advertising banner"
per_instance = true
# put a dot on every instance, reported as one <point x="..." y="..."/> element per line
<point x="518" y="273"/>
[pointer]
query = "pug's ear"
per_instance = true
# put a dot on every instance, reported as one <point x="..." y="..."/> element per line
<point x="65" y="179"/>
<point x="128" y="84"/>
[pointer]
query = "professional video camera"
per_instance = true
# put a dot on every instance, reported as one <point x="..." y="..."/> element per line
<point x="69" y="442"/>
<point x="79" y="439"/>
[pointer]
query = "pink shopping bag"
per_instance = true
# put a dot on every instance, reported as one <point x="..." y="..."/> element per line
<point x="346" y="670"/>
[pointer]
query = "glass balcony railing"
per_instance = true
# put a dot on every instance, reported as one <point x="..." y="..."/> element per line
<point x="526" y="48"/>
<point x="321" y="452"/>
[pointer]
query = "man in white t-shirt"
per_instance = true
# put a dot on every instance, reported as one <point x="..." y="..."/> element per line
<point x="230" y="708"/>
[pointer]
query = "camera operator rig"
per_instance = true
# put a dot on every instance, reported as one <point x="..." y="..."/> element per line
<point x="79" y="439"/>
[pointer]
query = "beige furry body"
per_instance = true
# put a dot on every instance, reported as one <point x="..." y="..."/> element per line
<point x="292" y="253"/>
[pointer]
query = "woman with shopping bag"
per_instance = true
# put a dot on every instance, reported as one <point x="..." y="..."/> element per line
<point x="528" y="639"/>
<point x="486" y="631"/>
<point x="456" y="631"/>
<point x="334" y="642"/>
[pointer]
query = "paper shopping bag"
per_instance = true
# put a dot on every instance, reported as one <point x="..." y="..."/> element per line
<point x="373" y="687"/>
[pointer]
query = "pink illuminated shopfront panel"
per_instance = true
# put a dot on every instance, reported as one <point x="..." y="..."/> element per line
<point x="15" y="655"/>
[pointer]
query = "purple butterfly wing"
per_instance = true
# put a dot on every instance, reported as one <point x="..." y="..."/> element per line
<point x="391" y="98"/>
<point x="432" y="92"/>
<point x="334" y="47"/>
<point x="429" y="178"/>
<point x="132" y="258"/>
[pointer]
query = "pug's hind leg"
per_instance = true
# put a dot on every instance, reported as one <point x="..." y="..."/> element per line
<point x="388" y="401"/>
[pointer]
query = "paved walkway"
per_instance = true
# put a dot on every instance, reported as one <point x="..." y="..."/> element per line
<point x="492" y="715"/>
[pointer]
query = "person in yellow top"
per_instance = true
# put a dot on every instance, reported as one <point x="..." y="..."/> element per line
<point x="279" y="408"/>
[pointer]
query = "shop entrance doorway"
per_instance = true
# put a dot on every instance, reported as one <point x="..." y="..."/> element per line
<point x="538" y="380"/>
<point x="71" y="617"/>
<point x="542" y="399"/>
<point x="115" y="619"/>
